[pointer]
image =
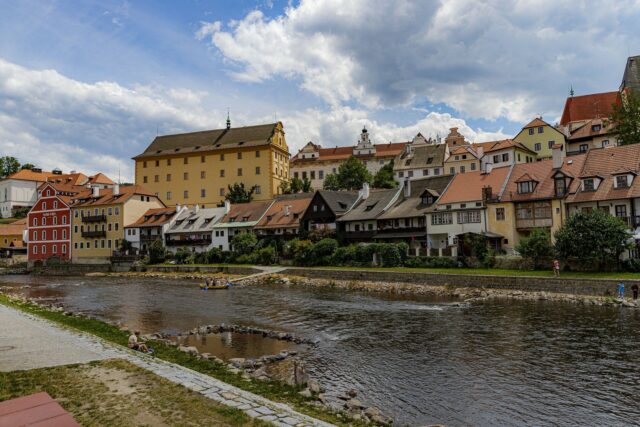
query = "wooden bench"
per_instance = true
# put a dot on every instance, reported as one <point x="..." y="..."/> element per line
<point x="36" y="410"/>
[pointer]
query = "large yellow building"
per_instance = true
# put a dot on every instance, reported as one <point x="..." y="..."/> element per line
<point x="197" y="168"/>
<point x="540" y="137"/>
<point x="98" y="220"/>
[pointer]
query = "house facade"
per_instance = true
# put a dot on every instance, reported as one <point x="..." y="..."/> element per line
<point x="193" y="229"/>
<point x="539" y="137"/>
<point x="98" y="220"/>
<point x="314" y="162"/>
<point x="150" y="227"/>
<point x="240" y="218"/>
<point x="360" y="223"/>
<point x="506" y="152"/>
<point x="421" y="158"/>
<point x="462" y="159"/>
<point x="284" y="217"/>
<point x="197" y="168"/>
<point x="326" y="207"/>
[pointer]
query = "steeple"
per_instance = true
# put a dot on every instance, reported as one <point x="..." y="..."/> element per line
<point x="571" y="91"/>
<point x="228" y="120"/>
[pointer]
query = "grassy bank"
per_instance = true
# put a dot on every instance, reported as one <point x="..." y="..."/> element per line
<point x="117" y="393"/>
<point x="271" y="390"/>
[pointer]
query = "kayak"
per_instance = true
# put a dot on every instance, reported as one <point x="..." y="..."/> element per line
<point x="204" y="287"/>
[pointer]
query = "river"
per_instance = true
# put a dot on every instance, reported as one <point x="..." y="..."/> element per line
<point x="420" y="359"/>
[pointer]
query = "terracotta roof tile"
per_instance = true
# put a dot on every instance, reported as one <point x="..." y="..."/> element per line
<point x="466" y="187"/>
<point x="246" y="212"/>
<point x="13" y="229"/>
<point x="106" y="196"/>
<point x="343" y="153"/>
<point x="490" y="146"/>
<point x="276" y="216"/>
<point x="535" y="123"/>
<point x="586" y="131"/>
<point x="154" y="218"/>
<point x="587" y="107"/>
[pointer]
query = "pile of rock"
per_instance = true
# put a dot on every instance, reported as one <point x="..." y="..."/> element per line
<point x="239" y="329"/>
<point x="356" y="410"/>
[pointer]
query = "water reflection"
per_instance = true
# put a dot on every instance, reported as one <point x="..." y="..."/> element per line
<point x="422" y="360"/>
<point x="230" y="345"/>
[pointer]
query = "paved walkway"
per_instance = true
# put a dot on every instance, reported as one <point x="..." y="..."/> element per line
<point x="47" y="344"/>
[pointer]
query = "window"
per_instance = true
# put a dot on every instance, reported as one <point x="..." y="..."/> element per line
<point x="621" y="181"/>
<point x="75" y="214"/>
<point x="117" y="210"/>
<point x="221" y="191"/>
<point x="583" y="148"/>
<point x="257" y="154"/>
<point x="401" y="174"/>
<point x="605" y="143"/>
<point x="461" y="169"/>
<point x="312" y="174"/>
<point x="144" y="164"/>
<point x="168" y="162"/>
<point x="157" y="163"/>
<point x="588" y="185"/>
<point x="560" y="186"/>
<point x="145" y="180"/>
<point x="537" y="146"/>
<point x="35" y="250"/>
<point x="64" y="234"/>
<point x="64" y="219"/>
<point x="55" y="205"/>
<point x="540" y="129"/>
<point x="496" y="159"/>
<point x="452" y="170"/>
<point x="54" y="249"/>
<point x="185" y="194"/>
<point x="110" y="211"/>
<point x="44" y="221"/>
<point x="109" y="243"/>
<point x="526" y="187"/>
<point x="550" y="144"/>
<point x="168" y="195"/>
<point x="518" y="156"/>
<point x="203" y="193"/>
<point x="239" y="171"/>
<point x="186" y="160"/>
<point x="222" y="157"/>
<point x="429" y="160"/>
<point x="500" y="214"/>
<point x="221" y="173"/>
<point x="473" y="166"/>
<point x="202" y="160"/>
<point x="621" y="211"/>
<point x="44" y="206"/>
<point x="441" y="218"/>
<point x="505" y="157"/>
<point x="44" y="249"/>
<point x="186" y="176"/>
<point x="55" y="235"/>
<point x="295" y="174"/>
<point x="258" y="190"/>
<point x="116" y="226"/>
<point x="258" y="169"/>
<point x="203" y="174"/>
<point x="531" y="131"/>
<point x="468" y="217"/>
<point x="410" y="174"/>
<point x="156" y="178"/>
<point x="64" y="249"/>
<point x="596" y="128"/>
<point x="35" y="235"/>
<point x="239" y="155"/>
<point x="321" y="174"/>
<point x="35" y="220"/>
<point x="436" y="171"/>
<point x="425" y="172"/>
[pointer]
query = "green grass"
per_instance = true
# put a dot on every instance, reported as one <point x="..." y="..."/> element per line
<point x="8" y="220"/>
<point x="117" y="393"/>
<point x="272" y="390"/>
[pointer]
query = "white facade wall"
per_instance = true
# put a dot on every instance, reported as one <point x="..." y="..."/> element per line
<point x="317" y="172"/>
<point x="490" y="158"/>
<point x="417" y="173"/>
<point x="220" y="239"/>
<point x="458" y="211"/>
<point x="17" y="193"/>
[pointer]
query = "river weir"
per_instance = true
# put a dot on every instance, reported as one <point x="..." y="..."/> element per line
<point x="421" y="359"/>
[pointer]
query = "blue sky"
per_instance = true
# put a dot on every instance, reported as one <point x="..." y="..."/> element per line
<point x="86" y="85"/>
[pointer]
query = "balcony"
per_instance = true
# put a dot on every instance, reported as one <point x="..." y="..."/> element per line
<point x="534" y="223"/>
<point x="94" y="218"/>
<point x="93" y="234"/>
<point x="188" y="242"/>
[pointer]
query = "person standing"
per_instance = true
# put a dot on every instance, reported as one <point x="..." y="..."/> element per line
<point x="634" y="289"/>
<point x="556" y="268"/>
<point x="621" y="290"/>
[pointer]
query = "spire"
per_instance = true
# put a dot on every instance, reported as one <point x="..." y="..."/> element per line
<point x="571" y="91"/>
<point x="228" y="120"/>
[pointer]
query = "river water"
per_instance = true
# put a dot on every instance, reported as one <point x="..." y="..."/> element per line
<point x="421" y="360"/>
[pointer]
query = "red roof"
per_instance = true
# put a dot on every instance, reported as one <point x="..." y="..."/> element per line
<point x="587" y="107"/>
<point x="342" y="153"/>
<point x="535" y="123"/>
<point x="277" y="217"/>
<point x="154" y="218"/>
<point x="489" y="146"/>
<point x="467" y="187"/>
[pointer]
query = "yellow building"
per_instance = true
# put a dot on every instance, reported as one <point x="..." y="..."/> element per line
<point x="98" y="220"/>
<point x="540" y="137"/>
<point x="534" y="198"/>
<point x="197" y="168"/>
<point x="13" y="232"/>
<point x="462" y="159"/>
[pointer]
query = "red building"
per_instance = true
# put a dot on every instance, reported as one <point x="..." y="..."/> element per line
<point x="49" y="222"/>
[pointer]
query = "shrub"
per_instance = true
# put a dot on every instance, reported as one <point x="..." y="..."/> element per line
<point x="157" y="252"/>
<point x="535" y="246"/>
<point x="182" y="255"/>
<point x="430" y="262"/>
<point x="244" y="243"/>
<point x="302" y="253"/>
<point x="322" y="252"/>
<point x="364" y="253"/>
<point x="213" y="256"/>
<point x="320" y="234"/>
<point x="344" y="256"/>
<point x="388" y="255"/>
<point x="265" y="256"/>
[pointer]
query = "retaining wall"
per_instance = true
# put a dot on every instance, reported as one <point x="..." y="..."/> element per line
<point x="578" y="286"/>
<point x="241" y="271"/>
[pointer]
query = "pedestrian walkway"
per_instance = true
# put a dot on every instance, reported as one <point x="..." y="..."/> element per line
<point x="78" y="347"/>
<point x="264" y="271"/>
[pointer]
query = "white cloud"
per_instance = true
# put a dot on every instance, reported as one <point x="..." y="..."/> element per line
<point x="496" y="59"/>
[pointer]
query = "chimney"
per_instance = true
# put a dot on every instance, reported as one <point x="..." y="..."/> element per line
<point x="556" y="155"/>
<point x="488" y="167"/>
<point x="364" y="193"/>
<point x="196" y="208"/>
<point x="286" y="210"/>
<point x="407" y="188"/>
<point x="480" y="151"/>
<point x="95" y="192"/>
<point x="116" y="189"/>
<point x="177" y="207"/>
<point x="227" y="206"/>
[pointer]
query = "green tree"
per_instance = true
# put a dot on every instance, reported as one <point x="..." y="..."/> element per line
<point x="352" y="174"/>
<point x="244" y="243"/>
<point x="237" y="193"/>
<point x="331" y="182"/>
<point x="8" y="165"/>
<point x="28" y="166"/>
<point x="535" y="246"/>
<point x="626" y="119"/>
<point x="285" y="187"/>
<point x="384" y="177"/>
<point x="594" y="237"/>
<point x="157" y="252"/>
<point x="296" y="185"/>
<point x="306" y="185"/>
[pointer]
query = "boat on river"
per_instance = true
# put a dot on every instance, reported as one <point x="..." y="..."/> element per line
<point x="204" y="287"/>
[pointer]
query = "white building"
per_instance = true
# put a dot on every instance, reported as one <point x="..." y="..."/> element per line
<point x="239" y="218"/>
<point x="421" y="158"/>
<point x="193" y="229"/>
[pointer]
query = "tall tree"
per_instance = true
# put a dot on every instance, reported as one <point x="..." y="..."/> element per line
<point x="296" y="185"/>
<point x="285" y="187"/>
<point x="384" y="177"/>
<point x="351" y="175"/>
<point x="237" y="193"/>
<point x="306" y="185"/>
<point x="594" y="237"/>
<point x="626" y="119"/>
<point x="8" y="165"/>
<point x="535" y="246"/>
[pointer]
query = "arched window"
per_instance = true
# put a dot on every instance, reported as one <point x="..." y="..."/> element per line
<point x="44" y="221"/>
<point x="35" y="222"/>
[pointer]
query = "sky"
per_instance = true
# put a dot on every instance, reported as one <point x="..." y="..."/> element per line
<point x="87" y="85"/>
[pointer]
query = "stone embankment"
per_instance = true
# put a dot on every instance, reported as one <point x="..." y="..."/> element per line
<point x="467" y="294"/>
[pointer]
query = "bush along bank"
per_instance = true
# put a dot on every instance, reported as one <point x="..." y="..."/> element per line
<point x="299" y="397"/>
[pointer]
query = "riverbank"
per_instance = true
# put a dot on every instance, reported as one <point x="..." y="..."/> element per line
<point x="228" y="386"/>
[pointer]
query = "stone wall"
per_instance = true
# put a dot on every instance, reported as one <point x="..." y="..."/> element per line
<point x="596" y="287"/>
<point x="240" y="271"/>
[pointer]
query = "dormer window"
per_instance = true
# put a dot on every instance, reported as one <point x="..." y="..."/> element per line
<point x="371" y="206"/>
<point x="560" y="186"/>
<point x="622" y="181"/>
<point x="245" y="218"/>
<point x="596" y="128"/>
<point x="428" y="200"/>
<point x="429" y="160"/>
<point x="588" y="184"/>
<point x="526" y="187"/>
